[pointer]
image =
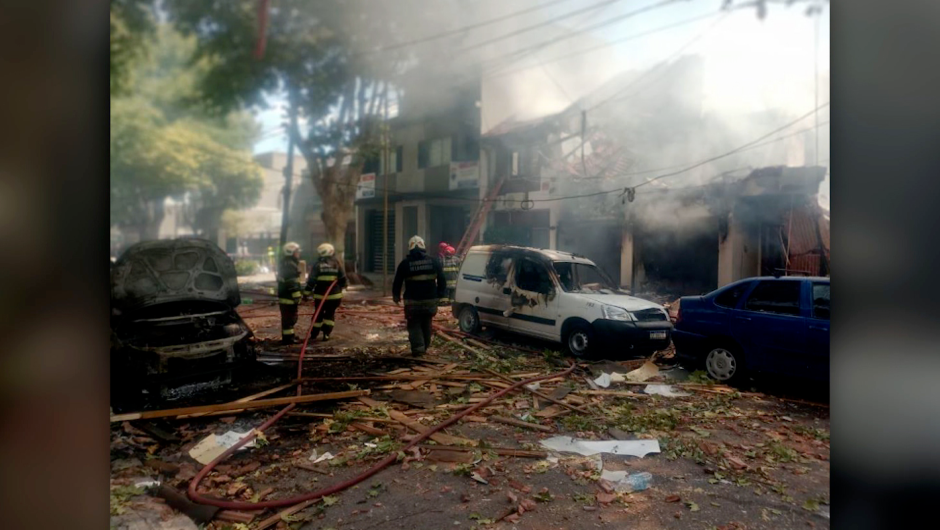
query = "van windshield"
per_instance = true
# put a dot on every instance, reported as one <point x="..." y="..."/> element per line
<point x="583" y="278"/>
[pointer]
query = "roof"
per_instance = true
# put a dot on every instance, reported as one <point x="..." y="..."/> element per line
<point x="510" y="125"/>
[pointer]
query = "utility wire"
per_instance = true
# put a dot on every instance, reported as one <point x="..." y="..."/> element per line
<point x="608" y="22"/>
<point x="463" y="29"/>
<point x="537" y="26"/>
<point x="605" y="45"/>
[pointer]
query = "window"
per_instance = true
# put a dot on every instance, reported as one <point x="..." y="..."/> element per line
<point x="731" y="297"/>
<point x="780" y="297"/>
<point x="432" y="153"/>
<point x="532" y="276"/>
<point x="515" y="164"/>
<point x="580" y="277"/>
<point x="821" y="301"/>
<point x="394" y="160"/>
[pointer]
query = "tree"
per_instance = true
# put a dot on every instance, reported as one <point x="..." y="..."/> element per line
<point x="131" y="24"/>
<point x="318" y="54"/>
<point x="163" y="147"/>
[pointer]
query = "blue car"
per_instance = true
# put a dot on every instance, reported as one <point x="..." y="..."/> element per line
<point x="767" y="325"/>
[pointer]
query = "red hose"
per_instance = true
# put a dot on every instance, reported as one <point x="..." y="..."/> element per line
<point x="235" y="505"/>
<point x="313" y="319"/>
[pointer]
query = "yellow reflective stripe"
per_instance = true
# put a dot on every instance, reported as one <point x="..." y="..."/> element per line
<point x="287" y="331"/>
<point x="336" y="296"/>
<point x="286" y="301"/>
<point x="296" y="294"/>
<point x="329" y="322"/>
<point x="317" y="324"/>
<point x="451" y="269"/>
<point x="422" y="277"/>
<point x="328" y="278"/>
<point x="451" y="283"/>
<point x="306" y="292"/>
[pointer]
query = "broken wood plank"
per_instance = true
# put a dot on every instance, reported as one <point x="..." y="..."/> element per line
<point x="330" y="416"/>
<point x="276" y="518"/>
<point x="499" y="451"/>
<point x="438" y="437"/>
<point x="520" y="423"/>
<point x="368" y="429"/>
<point x="233" y="516"/>
<point x="371" y="403"/>
<point x="474" y="351"/>
<point x="245" y="399"/>
<point x="237" y="406"/>
<point x="613" y="393"/>
<point x="541" y="395"/>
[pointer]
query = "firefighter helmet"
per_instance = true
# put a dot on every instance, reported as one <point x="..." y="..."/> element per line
<point x="290" y="248"/>
<point x="416" y="242"/>
<point x="326" y="250"/>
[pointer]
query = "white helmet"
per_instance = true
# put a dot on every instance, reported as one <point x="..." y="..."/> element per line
<point x="290" y="248"/>
<point x="416" y="242"/>
<point x="326" y="250"/>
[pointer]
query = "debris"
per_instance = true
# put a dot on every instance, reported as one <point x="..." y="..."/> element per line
<point x="673" y="498"/>
<point x="438" y="437"/>
<point x="278" y="517"/>
<point x="605" y="379"/>
<point x="520" y="487"/>
<point x="413" y="398"/>
<point x="569" y="444"/>
<point x="237" y="406"/>
<point x="628" y="483"/>
<point x="200" y="513"/>
<point x="233" y="516"/>
<point x="324" y="457"/>
<point x="643" y="373"/>
<point x="591" y="383"/>
<point x="164" y="468"/>
<point x="520" y="423"/>
<point x="533" y="387"/>
<point x="212" y="446"/>
<point x="521" y="453"/>
<point x="458" y="457"/>
<point x="606" y="498"/>
<point x="617" y="434"/>
<point x="476" y="476"/>
<point x="245" y="399"/>
<point x="664" y="390"/>
<point x="736" y="462"/>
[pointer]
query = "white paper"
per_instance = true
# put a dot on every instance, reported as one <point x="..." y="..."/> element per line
<point x="568" y="444"/>
<point x="533" y="387"/>
<point x="643" y="373"/>
<point x="323" y="457"/>
<point x="603" y="380"/>
<point x="212" y="446"/>
<point x="664" y="390"/>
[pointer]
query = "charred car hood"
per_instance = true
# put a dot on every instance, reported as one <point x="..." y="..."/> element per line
<point x="158" y="272"/>
<point x="630" y="303"/>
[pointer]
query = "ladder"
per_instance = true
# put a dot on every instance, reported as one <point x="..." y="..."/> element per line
<point x="474" y="229"/>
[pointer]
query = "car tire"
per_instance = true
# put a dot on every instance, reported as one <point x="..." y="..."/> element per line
<point x="579" y="340"/>
<point x="468" y="319"/>
<point x="725" y="364"/>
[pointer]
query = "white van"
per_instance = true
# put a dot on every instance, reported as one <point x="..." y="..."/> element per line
<point x="559" y="297"/>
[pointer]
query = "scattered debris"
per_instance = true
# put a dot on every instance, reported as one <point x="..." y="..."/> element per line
<point x="568" y="444"/>
<point x="624" y="482"/>
<point x="212" y="446"/>
<point x="664" y="390"/>
<point x="643" y="373"/>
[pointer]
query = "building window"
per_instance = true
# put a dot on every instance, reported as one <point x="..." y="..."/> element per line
<point x="432" y="153"/>
<point x="394" y="160"/>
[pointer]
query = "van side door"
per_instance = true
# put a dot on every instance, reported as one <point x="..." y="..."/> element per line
<point x="534" y="298"/>
<point x="481" y="282"/>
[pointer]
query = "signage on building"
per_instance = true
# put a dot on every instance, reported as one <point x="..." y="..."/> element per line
<point x="366" y="187"/>
<point x="464" y="175"/>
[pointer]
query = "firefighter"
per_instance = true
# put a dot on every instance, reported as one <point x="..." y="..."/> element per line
<point x="451" y="265"/>
<point x="425" y="284"/>
<point x="288" y="290"/>
<point x="323" y="273"/>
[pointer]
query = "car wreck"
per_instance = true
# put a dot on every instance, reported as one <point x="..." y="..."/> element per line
<point x="174" y="327"/>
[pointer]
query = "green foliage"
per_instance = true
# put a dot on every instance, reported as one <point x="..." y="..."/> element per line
<point x="700" y="377"/>
<point x="246" y="267"/>
<point x="131" y="23"/>
<point x="161" y="146"/>
<point x="120" y="496"/>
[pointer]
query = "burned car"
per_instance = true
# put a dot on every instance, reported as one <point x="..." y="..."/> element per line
<point x="174" y="328"/>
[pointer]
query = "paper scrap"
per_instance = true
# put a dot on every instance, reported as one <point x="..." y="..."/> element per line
<point x="664" y="390"/>
<point x="212" y="446"/>
<point x="568" y="444"/>
<point x="643" y="373"/>
<point x="325" y="456"/>
<point x="603" y="381"/>
<point x="533" y="386"/>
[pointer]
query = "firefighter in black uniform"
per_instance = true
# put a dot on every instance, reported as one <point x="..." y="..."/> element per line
<point x="425" y="284"/>
<point x="288" y="290"/>
<point x="323" y="273"/>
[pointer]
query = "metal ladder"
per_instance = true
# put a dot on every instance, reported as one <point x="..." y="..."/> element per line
<point x="474" y="229"/>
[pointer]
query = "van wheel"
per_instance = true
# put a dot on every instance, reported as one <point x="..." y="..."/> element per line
<point x="468" y="319"/>
<point x="725" y="364"/>
<point x="579" y="340"/>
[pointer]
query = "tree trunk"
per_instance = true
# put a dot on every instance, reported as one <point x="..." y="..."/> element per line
<point x="337" y="189"/>
<point x="150" y="229"/>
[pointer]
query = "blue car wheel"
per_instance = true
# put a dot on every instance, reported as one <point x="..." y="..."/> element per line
<point x="724" y="364"/>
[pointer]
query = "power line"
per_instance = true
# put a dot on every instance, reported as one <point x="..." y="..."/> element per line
<point x="608" y="22"/>
<point x="738" y="149"/>
<point x="537" y="26"/>
<point x="605" y="45"/>
<point x="463" y="29"/>
<point x="662" y="64"/>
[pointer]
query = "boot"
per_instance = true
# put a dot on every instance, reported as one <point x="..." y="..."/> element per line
<point x="289" y="339"/>
<point x="326" y="337"/>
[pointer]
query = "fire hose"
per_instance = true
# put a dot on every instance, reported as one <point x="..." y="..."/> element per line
<point x="237" y="505"/>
